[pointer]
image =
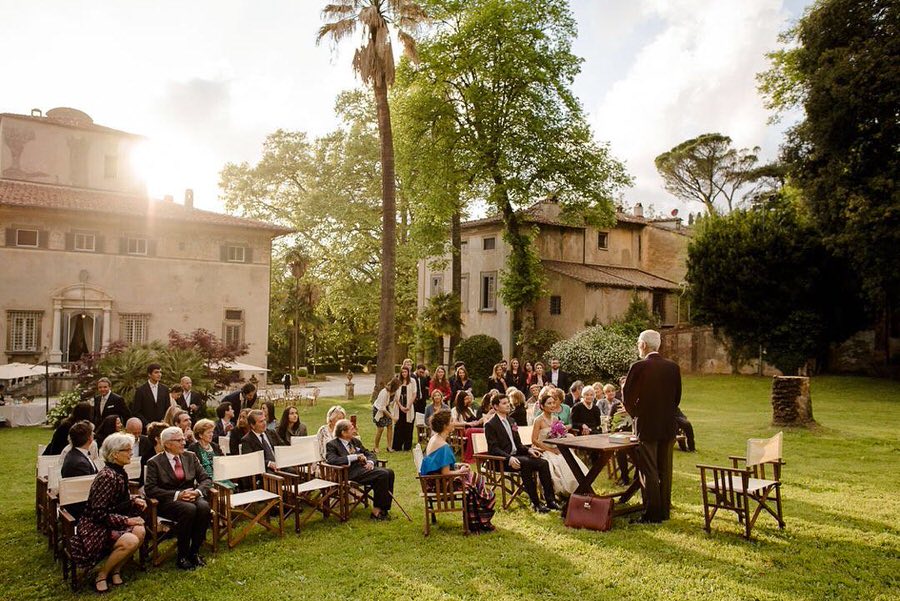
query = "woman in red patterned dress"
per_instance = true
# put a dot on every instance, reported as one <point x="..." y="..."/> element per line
<point x="109" y="523"/>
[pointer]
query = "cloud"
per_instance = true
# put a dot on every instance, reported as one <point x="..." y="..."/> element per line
<point x="695" y="74"/>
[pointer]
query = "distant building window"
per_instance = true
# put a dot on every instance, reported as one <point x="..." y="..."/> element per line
<point x="111" y="167"/>
<point x="437" y="284"/>
<point x="27" y="238"/>
<point x="133" y="327"/>
<point x="463" y="246"/>
<point x="490" y="243"/>
<point x="464" y="291"/>
<point x="235" y="254"/>
<point x="602" y="240"/>
<point x="137" y="246"/>
<point x="85" y="242"/>
<point x="23" y="331"/>
<point x="488" y="296"/>
<point x="555" y="305"/>
<point x="659" y="305"/>
<point x="233" y="327"/>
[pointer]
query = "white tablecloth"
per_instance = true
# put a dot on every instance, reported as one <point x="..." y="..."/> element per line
<point x="28" y="414"/>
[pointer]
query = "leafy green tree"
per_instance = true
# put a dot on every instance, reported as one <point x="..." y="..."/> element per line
<point x="840" y="64"/>
<point x="495" y="78"/>
<point x="707" y="169"/>
<point x="374" y="63"/>
<point x="764" y="279"/>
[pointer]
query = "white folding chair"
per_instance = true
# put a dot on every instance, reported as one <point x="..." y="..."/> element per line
<point x="70" y="491"/>
<point x="298" y="464"/>
<point x="225" y="444"/>
<point x="230" y="507"/>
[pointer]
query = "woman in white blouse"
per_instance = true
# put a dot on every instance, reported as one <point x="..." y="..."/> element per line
<point x="326" y="432"/>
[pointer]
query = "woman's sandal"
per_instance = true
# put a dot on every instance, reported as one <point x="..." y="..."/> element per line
<point x="116" y="579"/>
<point x="97" y="584"/>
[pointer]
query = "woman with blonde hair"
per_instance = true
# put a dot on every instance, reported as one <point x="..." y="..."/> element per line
<point x="326" y="432"/>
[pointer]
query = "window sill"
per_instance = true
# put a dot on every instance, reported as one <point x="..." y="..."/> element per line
<point x="487" y="310"/>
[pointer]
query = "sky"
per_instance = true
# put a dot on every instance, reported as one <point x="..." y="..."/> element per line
<point x="205" y="81"/>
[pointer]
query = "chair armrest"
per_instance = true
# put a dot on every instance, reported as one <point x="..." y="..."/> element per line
<point x="737" y="459"/>
<point x="273" y="483"/>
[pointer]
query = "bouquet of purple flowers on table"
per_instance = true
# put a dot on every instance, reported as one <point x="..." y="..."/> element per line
<point x="558" y="430"/>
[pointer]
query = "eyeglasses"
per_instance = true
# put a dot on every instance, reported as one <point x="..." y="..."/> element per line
<point x="181" y="440"/>
<point x="128" y="450"/>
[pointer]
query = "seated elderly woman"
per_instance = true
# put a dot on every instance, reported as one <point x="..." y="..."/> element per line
<point x="326" y="433"/>
<point x="206" y="449"/>
<point x="439" y="459"/>
<point x="110" y="522"/>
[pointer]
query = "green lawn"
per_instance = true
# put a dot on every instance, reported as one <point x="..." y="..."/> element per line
<point x="840" y="503"/>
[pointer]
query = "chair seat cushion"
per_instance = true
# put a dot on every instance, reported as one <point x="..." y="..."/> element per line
<point x="314" y="484"/>
<point x="251" y="496"/>
<point x="753" y="484"/>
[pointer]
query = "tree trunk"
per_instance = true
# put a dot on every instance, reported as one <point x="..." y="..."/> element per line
<point x="791" y="401"/>
<point x="456" y="269"/>
<point x="385" y="357"/>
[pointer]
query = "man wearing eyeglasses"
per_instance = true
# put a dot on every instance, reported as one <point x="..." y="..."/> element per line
<point x="178" y="482"/>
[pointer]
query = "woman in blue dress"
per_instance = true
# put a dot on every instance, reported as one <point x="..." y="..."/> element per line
<point x="439" y="459"/>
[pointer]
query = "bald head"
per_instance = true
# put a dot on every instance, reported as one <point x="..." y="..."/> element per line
<point x="134" y="426"/>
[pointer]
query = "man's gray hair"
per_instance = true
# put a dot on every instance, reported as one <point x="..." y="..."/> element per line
<point x="108" y="383"/>
<point x="114" y="443"/>
<point x="341" y="426"/>
<point x="651" y="340"/>
<point x="170" y="433"/>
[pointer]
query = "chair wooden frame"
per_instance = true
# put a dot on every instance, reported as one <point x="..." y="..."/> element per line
<point x="738" y="488"/>
<point x="422" y="429"/>
<point x="302" y="487"/>
<point x="441" y="495"/>
<point x="41" y="499"/>
<point x="156" y="535"/>
<point x="71" y="490"/>
<point x="352" y="493"/>
<point x="496" y="475"/>
<point x="229" y="507"/>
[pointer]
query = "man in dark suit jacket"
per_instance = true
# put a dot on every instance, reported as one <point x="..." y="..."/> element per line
<point x="192" y="401"/>
<point x="504" y="441"/>
<point x="651" y="394"/>
<point x="346" y="449"/>
<point x="108" y="403"/>
<point x="77" y="462"/>
<point x="225" y="421"/>
<point x="178" y="482"/>
<point x="241" y="399"/>
<point x="151" y="399"/>
<point x="260" y="439"/>
<point x="558" y="377"/>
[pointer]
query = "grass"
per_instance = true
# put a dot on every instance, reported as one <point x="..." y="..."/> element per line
<point x="841" y="507"/>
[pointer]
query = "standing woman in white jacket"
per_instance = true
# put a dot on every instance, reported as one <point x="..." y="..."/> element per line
<point x="406" y="410"/>
<point x="383" y="410"/>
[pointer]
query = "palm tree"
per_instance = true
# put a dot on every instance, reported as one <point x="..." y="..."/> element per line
<point x="374" y="62"/>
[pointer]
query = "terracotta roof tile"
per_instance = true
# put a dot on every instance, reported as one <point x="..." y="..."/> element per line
<point x="607" y="275"/>
<point x="536" y="214"/>
<point x="28" y="194"/>
<point x="85" y="126"/>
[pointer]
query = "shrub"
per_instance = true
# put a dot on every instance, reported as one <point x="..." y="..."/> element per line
<point x="127" y="369"/>
<point x="538" y="342"/>
<point x="480" y="353"/>
<point x="63" y="408"/>
<point x="302" y="372"/>
<point x="596" y="353"/>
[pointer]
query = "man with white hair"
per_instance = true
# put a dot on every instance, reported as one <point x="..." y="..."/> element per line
<point x="176" y="479"/>
<point x="651" y="395"/>
<point x="143" y="449"/>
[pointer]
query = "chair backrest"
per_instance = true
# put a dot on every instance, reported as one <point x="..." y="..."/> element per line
<point x="418" y="457"/>
<point x="225" y="444"/>
<point x="232" y="467"/>
<point x="54" y="474"/>
<point x="75" y="490"/>
<point x="525" y="433"/>
<point x="420" y="419"/>
<point x="133" y="469"/>
<point x="99" y="464"/>
<point x="303" y="450"/>
<point x="479" y="442"/>
<point x="41" y="448"/>
<point x="764" y="450"/>
<point x="44" y="463"/>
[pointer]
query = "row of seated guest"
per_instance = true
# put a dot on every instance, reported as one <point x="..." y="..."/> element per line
<point x="439" y="459"/>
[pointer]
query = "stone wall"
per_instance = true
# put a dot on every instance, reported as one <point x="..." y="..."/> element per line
<point x="697" y="350"/>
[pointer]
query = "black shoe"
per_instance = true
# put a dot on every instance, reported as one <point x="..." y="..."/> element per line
<point x="381" y="517"/>
<point x="540" y="508"/>
<point x="644" y="520"/>
<point x="183" y="563"/>
<point x="198" y="561"/>
<point x="552" y="505"/>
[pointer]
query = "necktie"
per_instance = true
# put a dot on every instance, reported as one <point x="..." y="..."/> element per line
<point x="179" y="470"/>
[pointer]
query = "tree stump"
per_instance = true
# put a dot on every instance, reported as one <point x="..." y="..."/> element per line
<point x="791" y="401"/>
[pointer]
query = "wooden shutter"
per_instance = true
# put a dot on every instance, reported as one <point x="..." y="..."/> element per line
<point x="99" y="243"/>
<point x="70" y="241"/>
<point x="10" y="236"/>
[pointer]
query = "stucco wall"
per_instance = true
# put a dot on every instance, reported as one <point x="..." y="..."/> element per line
<point x="665" y="253"/>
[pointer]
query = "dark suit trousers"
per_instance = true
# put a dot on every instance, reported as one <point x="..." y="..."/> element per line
<point x="688" y="430"/>
<point x="656" y="476"/>
<point x="382" y="482"/>
<point x="530" y="465"/>
<point x="191" y="522"/>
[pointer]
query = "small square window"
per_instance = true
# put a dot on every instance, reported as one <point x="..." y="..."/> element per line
<point x="137" y="246"/>
<point x="235" y="254"/>
<point x="602" y="240"/>
<point x="437" y="284"/>
<point x="85" y="242"/>
<point x="464" y="246"/>
<point x="234" y="314"/>
<point x="555" y="305"/>
<point x="28" y="238"/>
<point x="488" y="292"/>
<point x="490" y="243"/>
<point x="133" y="327"/>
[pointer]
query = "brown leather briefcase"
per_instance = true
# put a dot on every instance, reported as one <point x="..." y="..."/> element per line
<point x="589" y="511"/>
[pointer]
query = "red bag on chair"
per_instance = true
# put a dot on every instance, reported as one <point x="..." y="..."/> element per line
<point x="589" y="511"/>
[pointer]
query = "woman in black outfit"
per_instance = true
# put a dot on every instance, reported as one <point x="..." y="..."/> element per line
<point x="460" y="382"/>
<point x="406" y="395"/>
<point x="83" y="411"/>
<point x="515" y="377"/>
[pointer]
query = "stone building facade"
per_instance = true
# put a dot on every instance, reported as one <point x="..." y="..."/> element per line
<point x="591" y="273"/>
<point x="88" y="258"/>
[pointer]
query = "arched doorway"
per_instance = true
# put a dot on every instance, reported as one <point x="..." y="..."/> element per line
<point x="81" y="321"/>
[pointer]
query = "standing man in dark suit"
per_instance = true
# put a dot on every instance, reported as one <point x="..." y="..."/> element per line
<point x="422" y="380"/>
<point x="651" y="394"/>
<point x="558" y="377"/>
<point x="241" y="399"/>
<point x="178" y="482"/>
<point x="151" y="399"/>
<point x="192" y="401"/>
<point x="504" y="442"/>
<point x="108" y="403"/>
<point x="346" y="449"/>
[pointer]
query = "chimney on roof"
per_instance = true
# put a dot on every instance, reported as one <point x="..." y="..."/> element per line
<point x="37" y="113"/>
<point x="638" y="210"/>
<point x="189" y="199"/>
<point x="169" y="198"/>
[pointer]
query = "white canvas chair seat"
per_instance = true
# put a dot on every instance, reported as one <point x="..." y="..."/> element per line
<point x="313" y="485"/>
<point x="70" y="491"/>
<point x="303" y="488"/>
<point x="229" y="507"/>
<point x="225" y="444"/>
<point x="753" y="484"/>
<point x="251" y="496"/>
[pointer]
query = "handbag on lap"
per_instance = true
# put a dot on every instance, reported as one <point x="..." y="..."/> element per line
<point x="589" y="511"/>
